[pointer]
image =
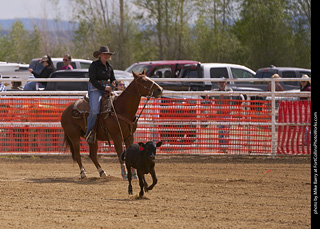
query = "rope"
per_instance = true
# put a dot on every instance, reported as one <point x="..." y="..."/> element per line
<point x="114" y="110"/>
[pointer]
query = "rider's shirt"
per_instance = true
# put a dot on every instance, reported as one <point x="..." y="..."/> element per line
<point x="99" y="75"/>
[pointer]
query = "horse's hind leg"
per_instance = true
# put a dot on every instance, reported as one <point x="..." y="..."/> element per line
<point x="94" y="157"/>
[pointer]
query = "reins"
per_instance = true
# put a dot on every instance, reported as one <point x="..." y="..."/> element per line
<point x="139" y="94"/>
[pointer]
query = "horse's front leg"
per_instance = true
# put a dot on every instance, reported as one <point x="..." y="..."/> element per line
<point x="94" y="157"/>
<point x="154" y="179"/>
<point x="128" y="143"/>
<point x="119" y="149"/>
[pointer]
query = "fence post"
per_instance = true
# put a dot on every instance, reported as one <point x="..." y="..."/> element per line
<point x="273" y="118"/>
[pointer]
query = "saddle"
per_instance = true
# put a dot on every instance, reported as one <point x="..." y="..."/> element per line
<point x="81" y="107"/>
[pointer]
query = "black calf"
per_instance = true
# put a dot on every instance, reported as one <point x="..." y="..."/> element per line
<point x="141" y="157"/>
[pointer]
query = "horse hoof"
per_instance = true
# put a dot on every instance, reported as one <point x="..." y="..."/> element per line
<point x="103" y="174"/>
<point x="83" y="174"/>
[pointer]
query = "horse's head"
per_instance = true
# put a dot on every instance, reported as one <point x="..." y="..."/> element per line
<point x="146" y="86"/>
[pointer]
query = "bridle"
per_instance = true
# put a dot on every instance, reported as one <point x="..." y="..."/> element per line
<point x="150" y="93"/>
<point x="150" y="90"/>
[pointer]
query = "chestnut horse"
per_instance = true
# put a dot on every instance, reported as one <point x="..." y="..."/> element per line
<point x="123" y="116"/>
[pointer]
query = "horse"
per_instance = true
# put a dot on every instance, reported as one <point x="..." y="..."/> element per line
<point x="117" y="124"/>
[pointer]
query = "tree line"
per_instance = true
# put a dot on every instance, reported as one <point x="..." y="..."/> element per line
<point x="254" y="33"/>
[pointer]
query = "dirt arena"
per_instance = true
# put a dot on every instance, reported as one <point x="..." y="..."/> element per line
<point x="192" y="192"/>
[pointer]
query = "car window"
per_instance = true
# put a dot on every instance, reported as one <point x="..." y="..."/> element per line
<point x="162" y="71"/>
<point x="238" y="73"/>
<point x="301" y="73"/>
<point x="218" y="73"/>
<point x="190" y="73"/>
<point x="139" y="68"/>
<point x="267" y="74"/>
<point x="84" y="65"/>
<point x="60" y="65"/>
<point x="290" y="74"/>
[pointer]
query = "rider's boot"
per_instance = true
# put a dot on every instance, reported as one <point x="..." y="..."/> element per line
<point x="90" y="137"/>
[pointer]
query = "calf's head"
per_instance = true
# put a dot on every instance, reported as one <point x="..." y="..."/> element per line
<point x="150" y="149"/>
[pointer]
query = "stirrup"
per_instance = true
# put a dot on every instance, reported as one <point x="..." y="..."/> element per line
<point x="91" y="137"/>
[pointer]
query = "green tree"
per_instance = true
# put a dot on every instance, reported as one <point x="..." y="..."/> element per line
<point x="167" y="23"/>
<point x="214" y="39"/>
<point x="101" y="24"/>
<point x="266" y="30"/>
<point x="19" y="45"/>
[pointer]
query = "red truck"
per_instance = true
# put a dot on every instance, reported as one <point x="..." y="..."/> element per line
<point x="163" y="69"/>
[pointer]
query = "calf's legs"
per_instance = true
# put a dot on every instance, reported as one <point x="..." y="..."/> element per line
<point x="129" y="176"/>
<point x="142" y="181"/>
<point x="154" y="180"/>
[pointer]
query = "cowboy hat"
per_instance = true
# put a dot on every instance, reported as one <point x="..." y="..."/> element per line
<point x="103" y="49"/>
<point x="306" y="77"/>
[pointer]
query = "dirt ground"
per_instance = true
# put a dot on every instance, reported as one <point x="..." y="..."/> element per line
<point x="192" y="192"/>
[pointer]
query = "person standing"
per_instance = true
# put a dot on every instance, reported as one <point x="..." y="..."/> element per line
<point x="2" y="86"/>
<point x="67" y="62"/>
<point x="277" y="84"/>
<point x="306" y="86"/>
<point x="45" y="73"/>
<point x="223" y="104"/>
<point x="101" y="81"/>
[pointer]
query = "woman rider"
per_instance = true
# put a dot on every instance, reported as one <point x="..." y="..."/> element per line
<point x="101" y="79"/>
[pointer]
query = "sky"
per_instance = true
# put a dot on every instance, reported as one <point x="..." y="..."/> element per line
<point x="13" y="9"/>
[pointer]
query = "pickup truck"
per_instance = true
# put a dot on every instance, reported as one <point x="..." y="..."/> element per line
<point x="217" y="70"/>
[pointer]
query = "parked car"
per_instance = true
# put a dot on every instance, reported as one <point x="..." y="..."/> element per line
<point x="215" y="71"/>
<point x="283" y="72"/>
<point x="79" y="73"/>
<point x="37" y="67"/>
<point x="162" y="69"/>
<point x="8" y="67"/>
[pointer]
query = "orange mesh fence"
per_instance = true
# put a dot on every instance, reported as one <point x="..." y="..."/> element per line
<point x="186" y="126"/>
<point x="295" y="136"/>
<point x="207" y="126"/>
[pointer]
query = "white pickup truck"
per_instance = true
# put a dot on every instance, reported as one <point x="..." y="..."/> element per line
<point x="218" y="70"/>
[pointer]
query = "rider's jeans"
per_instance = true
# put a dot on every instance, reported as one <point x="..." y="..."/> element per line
<point x="95" y="96"/>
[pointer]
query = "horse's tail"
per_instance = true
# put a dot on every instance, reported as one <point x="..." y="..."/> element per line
<point x="68" y="144"/>
<point x="123" y="155"/>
